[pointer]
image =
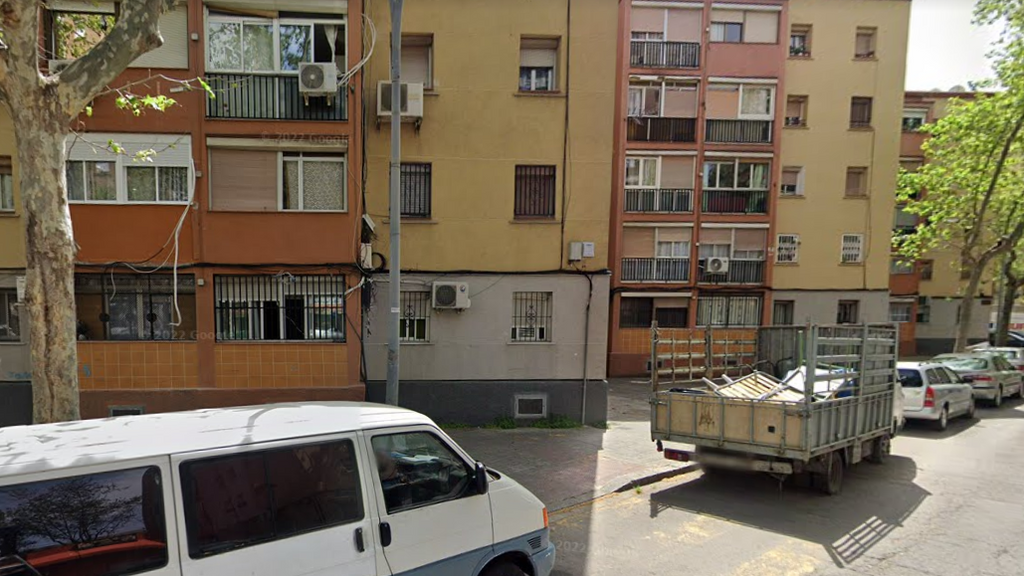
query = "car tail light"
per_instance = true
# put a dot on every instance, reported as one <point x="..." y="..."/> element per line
<point x="981" y="379"/>
<point x="929" y="398"/>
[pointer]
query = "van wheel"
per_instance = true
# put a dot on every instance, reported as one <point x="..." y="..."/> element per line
<point x="503" y="569"/>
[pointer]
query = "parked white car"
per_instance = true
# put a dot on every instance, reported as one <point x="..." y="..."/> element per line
<point x="304" y="489"/>
<point x="1014" y="355"/>
<point x="935" y="393"/>
<point x="991" y="375"/>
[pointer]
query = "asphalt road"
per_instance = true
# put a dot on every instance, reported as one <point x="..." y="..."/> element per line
<point x="947" y="503"/>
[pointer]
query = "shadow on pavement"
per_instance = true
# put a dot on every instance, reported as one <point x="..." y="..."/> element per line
<point x="1009" y="409"/>
<point x="924" y="429"/>
<point x="875" y="502"/>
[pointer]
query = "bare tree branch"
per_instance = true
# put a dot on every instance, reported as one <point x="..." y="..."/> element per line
<point x="136" y="32"/>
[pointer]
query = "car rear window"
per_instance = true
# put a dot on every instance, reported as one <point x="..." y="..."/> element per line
<point x="965" y="363"/>
<point x="910" y="378"/>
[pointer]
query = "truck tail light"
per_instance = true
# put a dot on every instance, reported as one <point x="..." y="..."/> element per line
<point x="929" y="398"/>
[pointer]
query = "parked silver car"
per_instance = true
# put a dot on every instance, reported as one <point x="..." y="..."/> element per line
<point x="935" y="393"/>
<point x="991" y="375"/>
<point x="1015" y="356"/>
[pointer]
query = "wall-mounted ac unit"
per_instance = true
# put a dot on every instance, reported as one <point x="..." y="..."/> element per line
<point x="450" y="295"/>
<point x="318" y="79"/>
<point x="57" y="66"/>
<point x="717" y="265"/>
<point x="411" y="100"/>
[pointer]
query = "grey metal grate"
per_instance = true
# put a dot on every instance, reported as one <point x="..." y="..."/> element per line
<point x="280" y="307"/>
<point x="531" y="316"/>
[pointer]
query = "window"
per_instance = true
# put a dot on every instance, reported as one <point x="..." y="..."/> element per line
<point x="642" y="172"/>
<point x="418" y="59"/>
<point x="139" y="168"/>
<point x="852" y="249"/>
<point x="247" y="44"/>
<point x="537" y="59"/>
<point x="415" y="323"/>
<point x="91" y="181"/>
<point x="736" y="175"/>
<point x="6" y="184"/>
<point x="727" y="32"/>
<point x="856" y="182"/>
<point x="924" y="310"/>
<point x="796" y="111"/>
<point x="280" y="307"/>
<point x="672" y="317"/>
<point x="135" y="307"/>
<point x="117" y="516"/>
<point x="644" y="101"/>
<point x="901" y="311"/>
<point x="636" y="312"/>
<point x="417" y="183"/>
<point x="927" y="268"/>
<point x="792" y="181"/>
<point x="535" y="192"/>
<point x="904" y="221"/>
<point x="237" y="501"/>
<point x="865" y="43"/>
<point x="849" y="312"/>
<point x="729" y="311"/>
<point x="672" y="249"/>
<point x="913" y="119"/>
<point x="860" y="112"/>
<point x="116" y="411"/>
<point x="750" y="26"/>
<point x="899" y="267"/>
<point x="756" y="102"/>
<point x="71" y="34"/>
<point x="788" y="249"/>
<point x="10" y="327"/>
<point x="783" y="313"/>
<point x="157" y="183"/>
<point x="800" y="40"/>
<point x="531" y="316"/>
<point x="312" y="182"/>
<point x="641" y="36"/>
<point x="417" y="469"/>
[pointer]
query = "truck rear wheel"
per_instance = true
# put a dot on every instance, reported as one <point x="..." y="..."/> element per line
<point x="830" y="481"/>
<point x="880" y="448"/>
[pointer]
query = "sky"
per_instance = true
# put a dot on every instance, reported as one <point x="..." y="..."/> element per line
<point x="945" y="48"/>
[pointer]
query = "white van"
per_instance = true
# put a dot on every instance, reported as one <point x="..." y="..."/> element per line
<point x="277" y="490"/>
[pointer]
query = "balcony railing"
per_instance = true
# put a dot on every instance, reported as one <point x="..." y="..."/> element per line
<point x="670" y="200"/>
<point x="269" y="97"/>
<point x="661" y="54"/>
<point x="655" y="269"/>
<point x="659" y="129"/>
<point x="739" y="272"/>
<point x="739" y="131"/>
<point x="734" y="202"/>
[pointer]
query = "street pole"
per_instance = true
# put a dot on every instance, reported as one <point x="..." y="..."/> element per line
<point x="395" y="263"/>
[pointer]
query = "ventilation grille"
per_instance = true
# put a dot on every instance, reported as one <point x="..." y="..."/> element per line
<point x="534" y="542"/>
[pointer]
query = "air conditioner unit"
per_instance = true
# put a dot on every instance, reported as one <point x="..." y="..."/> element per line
<point x="717" y="265"/>
<point x="318" y="79"/>
<point x="450" y="295"/>
<point x="412" y="100"/>
<point x="57" y="66"/>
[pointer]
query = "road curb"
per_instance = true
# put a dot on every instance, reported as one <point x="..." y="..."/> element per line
<point x="654" y="478"/>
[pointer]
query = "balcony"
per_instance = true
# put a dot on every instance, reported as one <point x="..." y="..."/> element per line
<point x="739" y="131"/>
<point x="659" y="129"/>
<point x="655" y="269"/>
<point x="666" y="200"/>
<point x="269" y="97"/>
<point x="661" y="54"/>
<point x="734" y="202"/>
<point x="739" y="272"/>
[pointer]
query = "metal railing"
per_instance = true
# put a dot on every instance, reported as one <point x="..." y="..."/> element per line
<point x="671" y="200"/>
<point x="655" y="269"/>
<point x="739" y="131"/>
<point x="734" y="202"/>
<point x="739" y="272"/>
<point x="270" y="97"/>
<point x="662" y="54"/>
<point x="659" y="129"/>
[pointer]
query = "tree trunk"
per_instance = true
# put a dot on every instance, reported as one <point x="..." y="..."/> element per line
<point x="967" y="308"/>
<point x="1008" y="295"/>
<point x="50" y="246"/>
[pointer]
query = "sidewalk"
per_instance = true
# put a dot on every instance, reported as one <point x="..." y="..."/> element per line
<point x="566" y="467"/>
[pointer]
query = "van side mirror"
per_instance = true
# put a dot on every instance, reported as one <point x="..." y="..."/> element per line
<point x="481" y="479"/>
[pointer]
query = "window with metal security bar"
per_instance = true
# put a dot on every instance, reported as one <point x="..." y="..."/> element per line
<point x="787" y="249"/>
<point x="860" y="112"/>
<point x="531" y="316"/>
<point x="280" y="307"/>
<point x="313" y="182"/>
<point x="856" y="182"/>
<point x="849" y="312"/>
<point x="727" y="311"/>
<point x="414" y="325"/>
<point x="135" y="307"/>
<point x="636" y="312"/>
<point x="901" y="311"/>
<point x="417" y="185"/>
<point x="535" y="192"/>
<point x="6" y="184"/>
<point x="783" y="313"/>
<point x="10" y="327"/>
<point x="852" y="251"/>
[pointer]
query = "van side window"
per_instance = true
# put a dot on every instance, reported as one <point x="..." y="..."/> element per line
<point x="104" y="524"/>
<point x="417" y="469"/>
<point x="246" y="499"/>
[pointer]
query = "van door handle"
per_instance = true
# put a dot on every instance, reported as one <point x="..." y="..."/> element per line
<point x="360" y="545"/>
<point x="385" y="534"/>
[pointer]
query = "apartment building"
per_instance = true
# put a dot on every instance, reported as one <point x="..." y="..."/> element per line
<point x="222" y="271"/>
<point x="926" y="296"/>
<point x="756" y="146"/>
<point x="506" y="173"/>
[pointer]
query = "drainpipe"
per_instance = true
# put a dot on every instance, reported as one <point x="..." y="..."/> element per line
<point x="586" y="348"/>
<point x="395" y="275"/>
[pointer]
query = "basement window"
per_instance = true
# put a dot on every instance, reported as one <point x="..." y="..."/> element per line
<point x="531" y="406"/>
